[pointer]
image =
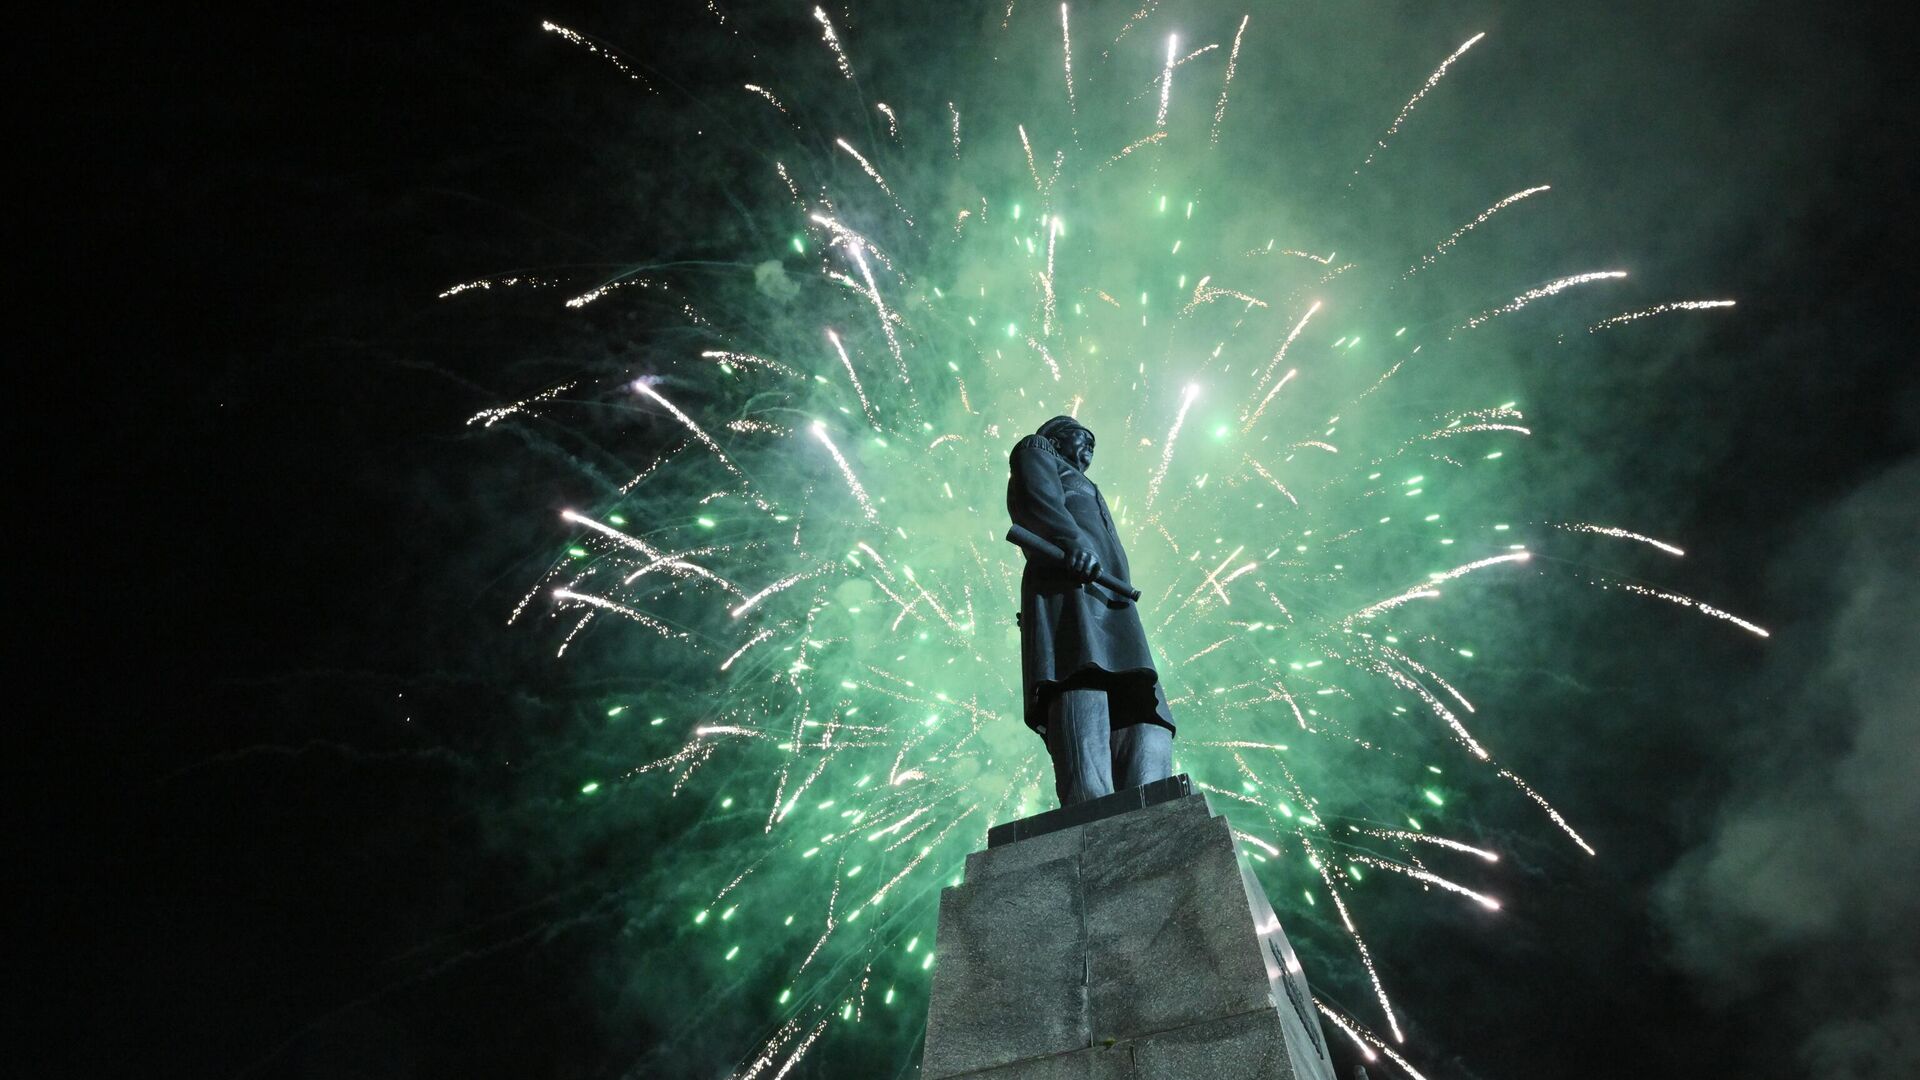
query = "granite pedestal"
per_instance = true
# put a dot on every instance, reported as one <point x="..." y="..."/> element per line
<point x="1129" y="945"/>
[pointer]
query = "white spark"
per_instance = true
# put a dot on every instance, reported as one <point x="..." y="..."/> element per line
<point x="617" y="608"/>
<point x="490" y="417"/>
<point x="1417" y="874"/>
<point x="1066" y="49"/>
<point x="751" y="642"/>
<point x="1433" y="80"/>
<point x="853" y="482"/>
<point x="859" y="391"/>
<point x="833" y="41"/>
<point x="597" y="49"/>
<point x="1166" y="83"/>
<point x="1548" y="807"/>
<point x="1549" y="289"/>
<point x="1620" y="534"/>
<point x="1166" y="452"/>
<point x="1434" y="256"/>
<point x="1274" y="363"/>
<point x="1659" y="309"/>
<point x="1233" y="58"/>
<point x="1702" y="608"/>
<point x="1424" y="838"/>
<point x="874" y="175"/>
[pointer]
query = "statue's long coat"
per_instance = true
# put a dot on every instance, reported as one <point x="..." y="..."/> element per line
<point x="1074" y="635"/>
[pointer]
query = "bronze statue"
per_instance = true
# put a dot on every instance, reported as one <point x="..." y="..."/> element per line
<point x="1088" y="680"/>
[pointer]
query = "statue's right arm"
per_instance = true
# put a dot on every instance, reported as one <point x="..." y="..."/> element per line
<point x="1040" y="504"/>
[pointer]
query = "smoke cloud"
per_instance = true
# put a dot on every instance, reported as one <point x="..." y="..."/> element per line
<point x="1796" y="901"/>
<point x="771" y="279"/>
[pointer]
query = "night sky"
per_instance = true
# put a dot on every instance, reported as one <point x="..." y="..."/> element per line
<point x="294" y="827"/>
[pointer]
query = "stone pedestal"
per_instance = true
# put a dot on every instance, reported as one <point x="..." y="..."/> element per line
<point x="1131" y="946"/>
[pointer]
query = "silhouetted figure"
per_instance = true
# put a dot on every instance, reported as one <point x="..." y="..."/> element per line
<point x="1088" y="680"/>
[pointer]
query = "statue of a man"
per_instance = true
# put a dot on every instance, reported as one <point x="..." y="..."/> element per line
<point x="1087" y="677"/>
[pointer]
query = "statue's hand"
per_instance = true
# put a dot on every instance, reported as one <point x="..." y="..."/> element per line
<point x="1082" y="564"/>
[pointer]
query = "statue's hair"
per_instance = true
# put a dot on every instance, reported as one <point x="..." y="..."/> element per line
<point x="1059" y="426"/>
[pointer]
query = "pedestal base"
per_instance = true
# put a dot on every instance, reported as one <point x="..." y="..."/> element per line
<point x="1131" y="947"/>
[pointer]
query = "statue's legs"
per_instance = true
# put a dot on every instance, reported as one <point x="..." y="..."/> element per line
<point x="1142" y="753"/>
<point x="1088" y="751"/>
<point x="1079" y="739"/>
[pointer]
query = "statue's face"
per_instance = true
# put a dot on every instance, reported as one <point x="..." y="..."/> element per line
<point x="1076" y="444"/>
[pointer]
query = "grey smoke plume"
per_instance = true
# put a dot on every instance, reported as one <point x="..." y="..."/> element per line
<point x="1803" y="899"/>
<point x="771" y="279"/>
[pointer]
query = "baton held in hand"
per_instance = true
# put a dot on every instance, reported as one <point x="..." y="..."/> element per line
<point x="1040" y="545"/>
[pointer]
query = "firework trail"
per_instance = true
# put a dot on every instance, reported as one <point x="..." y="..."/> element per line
<point x="809" y="544"/>
<point x="596" y="49"/>
<point x="1233" y="61"/>
<point x="1620" y="534"/>
<point x="1440" y="249"/>
<point x="1406" y="110"/>
<point x="1659" y="309"/>
<point x="1551" y="288"/>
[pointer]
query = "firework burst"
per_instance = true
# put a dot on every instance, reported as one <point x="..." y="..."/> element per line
<point x="804" y="572"/>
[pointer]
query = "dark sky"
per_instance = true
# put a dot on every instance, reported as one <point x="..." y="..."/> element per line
<point x="270" y="826"/>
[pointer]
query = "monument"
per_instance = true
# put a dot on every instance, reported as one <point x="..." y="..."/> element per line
<point x="1119" y="937"/>
<point x="1088" y="682"/>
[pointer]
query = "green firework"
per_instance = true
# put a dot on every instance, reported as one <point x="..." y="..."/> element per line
<point x="800" y="586"/>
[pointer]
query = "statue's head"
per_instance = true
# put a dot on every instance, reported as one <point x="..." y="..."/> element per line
<point x="1071" y="439"/>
